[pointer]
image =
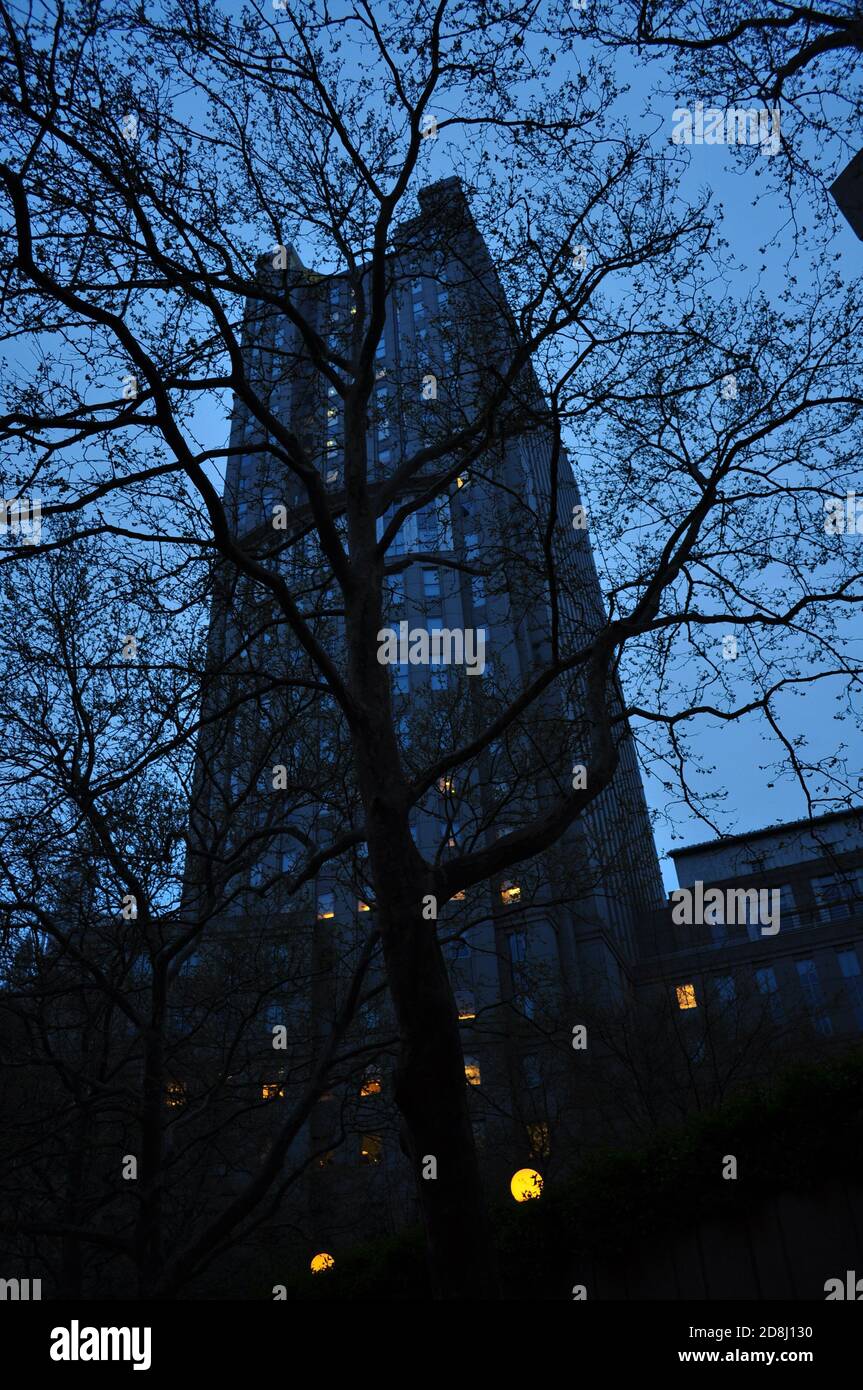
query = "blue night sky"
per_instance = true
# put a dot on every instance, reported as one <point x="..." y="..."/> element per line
<point x="737" y="755"/>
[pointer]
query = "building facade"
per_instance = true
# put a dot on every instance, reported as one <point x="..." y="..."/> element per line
<point x="470" y="559"/>
<point x="786" y="926"/>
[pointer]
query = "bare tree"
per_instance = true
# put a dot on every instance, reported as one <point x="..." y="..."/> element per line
<point x="151" y="161"/>
<point x="804" y="58"/>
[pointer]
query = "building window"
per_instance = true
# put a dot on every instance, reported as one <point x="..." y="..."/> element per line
<point x="371" y="1148"/>
<point x="401" y="679"/>
<point x="472" y="1072"/>
<point x="838" y="895"/>
<point x="272" y="1090"/>
<point x="726" y="990"/>
<point x="523" y="1001"/>
<point x="370" y="1017"/>
<point x="849" y="965"/>
<point x="372" y="1085"/>
<point x="686" y="997"/>
<point x="431" y="583"/>
<point x="807" y="973"/>
<point x="326" y="906"/>
<point x="175" y="1094"/>
<point x="531" y="1071"/>
<point x="362" y="907"/>
<point x="466" y="1006"/>
<point x="325" y="1159"/>
<point x="394" y="592"/>
<point x="539" y="1135"/>
<point x="517" y="947"/>
<point x="510" y="893"/>
<point x="765" y="982"/>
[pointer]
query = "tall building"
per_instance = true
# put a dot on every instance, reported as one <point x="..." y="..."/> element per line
<point x="274" y="782"/>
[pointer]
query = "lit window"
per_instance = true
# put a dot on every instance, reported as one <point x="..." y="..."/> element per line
<point x="510" y="893"/>
<point x="540" y="1139"/>
<point x="326" y="905"/>
<point x="459" y="896"/>
<point x="466" y="1007"/>
<point x="272" y="1090"/>
<point x="686" y="997"/>
<point x="472" y="1072"/>
<point x="176" y="1094"/>
<point x="371" y="1148"/>
<point x="462" y="480"/>
<point x="322" y="1262"/>
<point x="362" y="907"/>
<point x="371" y="1084"/>
<point x="325" y="1159"/>
<point x="446" y="785"/>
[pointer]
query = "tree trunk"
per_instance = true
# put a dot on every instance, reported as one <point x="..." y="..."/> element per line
<point x="430" y="1086"/>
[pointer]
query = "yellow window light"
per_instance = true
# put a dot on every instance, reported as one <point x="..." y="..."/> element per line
<point x="540" y="1139"/>
<point x="176" y="1094"/>
<point x="686" y="997"/>
<point x="321" y="1262"/>
<point x="371" y="1148"/>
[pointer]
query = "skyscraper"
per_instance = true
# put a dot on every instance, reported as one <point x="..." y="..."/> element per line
<point x="493" y="546"/>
